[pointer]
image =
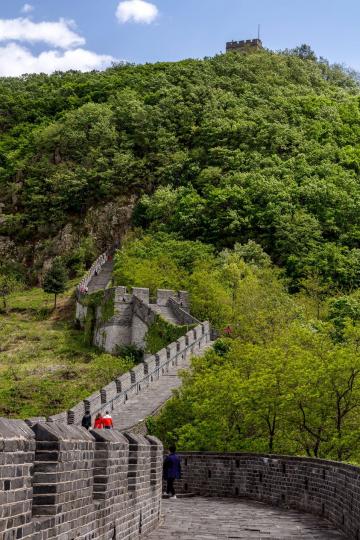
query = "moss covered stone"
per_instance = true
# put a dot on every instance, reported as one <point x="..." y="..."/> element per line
<point x="161" y="333"/>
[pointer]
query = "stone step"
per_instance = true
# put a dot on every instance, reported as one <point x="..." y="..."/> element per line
<point x="102" y="280"/>
<point x="151" y="398"/>
<point x="166" y="313"/>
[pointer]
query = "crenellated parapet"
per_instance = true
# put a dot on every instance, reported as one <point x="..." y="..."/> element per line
<point x="62" y="482"/>
<point x="131" y="314"/>
<point x="114" y="396"/>
<point x="244" y="45"/>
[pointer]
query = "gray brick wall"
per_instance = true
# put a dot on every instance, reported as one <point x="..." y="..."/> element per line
<point x="17" y="453"/>
<point x="115" y="394"/>
<point x="325" y="488"/>
<point x="62" y="482"/>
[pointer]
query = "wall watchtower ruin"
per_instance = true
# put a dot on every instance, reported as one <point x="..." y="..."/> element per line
<point x="245" y="45"/>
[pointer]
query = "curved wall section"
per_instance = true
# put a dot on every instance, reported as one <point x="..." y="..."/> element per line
<point x="325" y="488"/>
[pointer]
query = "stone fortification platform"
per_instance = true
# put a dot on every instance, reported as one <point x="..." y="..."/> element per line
<point x="219" y="519"/>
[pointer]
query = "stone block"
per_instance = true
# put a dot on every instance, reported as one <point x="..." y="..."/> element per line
<point x="17" y="455"/>
<point x="163" y="295"/>
<point x="109" y="392"/>
<point x="150" y="364"/>
<point x="137" y="373"/>
<point x="161" y="361"/>
<point x="142" y="293"/>
<point x="93" y="403"/>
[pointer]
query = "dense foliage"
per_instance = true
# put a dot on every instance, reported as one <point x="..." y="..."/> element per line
<point x="245" y="171"/>
<point x="288" y="379"/>
<point x="161" y="333"/>
<point x="262" y="146"/>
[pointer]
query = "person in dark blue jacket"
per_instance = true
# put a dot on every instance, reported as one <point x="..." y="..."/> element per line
<point x="172" y="471"/>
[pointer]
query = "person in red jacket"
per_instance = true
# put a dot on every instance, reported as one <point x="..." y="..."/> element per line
<point x="107" y="421"/>
<point x="99" y="422"/>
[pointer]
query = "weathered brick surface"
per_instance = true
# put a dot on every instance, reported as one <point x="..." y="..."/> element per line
<point x="17" y="451"/>
<point x="205" y="518"/>
<point x="61" y="482"/>
<point x="325" y="488"/>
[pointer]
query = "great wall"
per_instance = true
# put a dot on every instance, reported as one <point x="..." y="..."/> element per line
<point x="59" y="481"/>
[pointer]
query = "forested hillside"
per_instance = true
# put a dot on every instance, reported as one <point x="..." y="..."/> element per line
<point x="262" y="146"/>
<point x="236" y="178"/>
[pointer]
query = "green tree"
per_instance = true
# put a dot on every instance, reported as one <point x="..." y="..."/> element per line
<point x="8" y="285"/>
<point x="55" y="279"/>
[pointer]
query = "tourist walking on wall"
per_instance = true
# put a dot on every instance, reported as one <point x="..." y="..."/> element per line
<point x="172" y="471"/>
<point x="99" y="422"/>
<point x="107" y="421"/>
<point x="86" y="420"/>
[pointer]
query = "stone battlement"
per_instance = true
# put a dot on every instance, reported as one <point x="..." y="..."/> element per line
<point x="115" y="394"/>
<point x="244" y="45"/>
<point x="133" y="314"/>
<point x="62" y="482"/>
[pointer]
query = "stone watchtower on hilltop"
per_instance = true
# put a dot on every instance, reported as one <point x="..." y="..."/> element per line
<point x="246" y="45"/>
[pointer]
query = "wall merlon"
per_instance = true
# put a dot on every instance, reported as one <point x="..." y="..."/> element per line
<point x="181" y="343"/>
<point x="150" y="362"/>
<point x="80" y="483"/>
<point x="142" y="293"/>
<point x="125" y="381"/>
<point x="190" y="339"/>
<point x="137" y="373"/>
<point x="206" y="328"/>
<point x="120" y="292"/>
<point x="172" y="352"/>
<point x="161" y="357"/>
<point x="183" y="298"/>
<point x="93" y="403"/>
<point x="109" y="392"/>
<point x="163" y="295"/>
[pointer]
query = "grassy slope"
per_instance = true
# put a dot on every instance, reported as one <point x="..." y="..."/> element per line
<point x="45" y="367"/>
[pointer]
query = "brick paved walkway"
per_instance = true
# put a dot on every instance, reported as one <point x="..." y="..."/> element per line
<point x="150" y="399"/>
<point x="102" y="280"/>
<point x="218" y="519"/>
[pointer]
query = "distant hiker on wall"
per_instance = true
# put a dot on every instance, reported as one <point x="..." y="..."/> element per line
<point x="86" y="420"/>
<point x="172" y="471"/>
<point x="107" y="421"/>
<point x="99" y="422"/>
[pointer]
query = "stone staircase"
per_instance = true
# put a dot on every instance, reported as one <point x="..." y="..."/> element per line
<point x="102" y="279"/>
<point x="165" y="312"/>
<point x="130" y="415"/>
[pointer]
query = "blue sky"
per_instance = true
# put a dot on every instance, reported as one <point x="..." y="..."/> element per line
<point x="85" y="34"/>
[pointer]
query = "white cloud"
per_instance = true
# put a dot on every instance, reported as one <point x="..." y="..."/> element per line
<point x="16" y="60"/>
<point x="137" y="11"/>
<point x="58" y="34"/>
<point x="27" y="8"/>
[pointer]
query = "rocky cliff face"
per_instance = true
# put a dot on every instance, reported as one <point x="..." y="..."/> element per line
<point x="104" y="225"/>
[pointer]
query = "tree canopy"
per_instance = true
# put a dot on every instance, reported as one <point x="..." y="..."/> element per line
<point x="239" y="147"/>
